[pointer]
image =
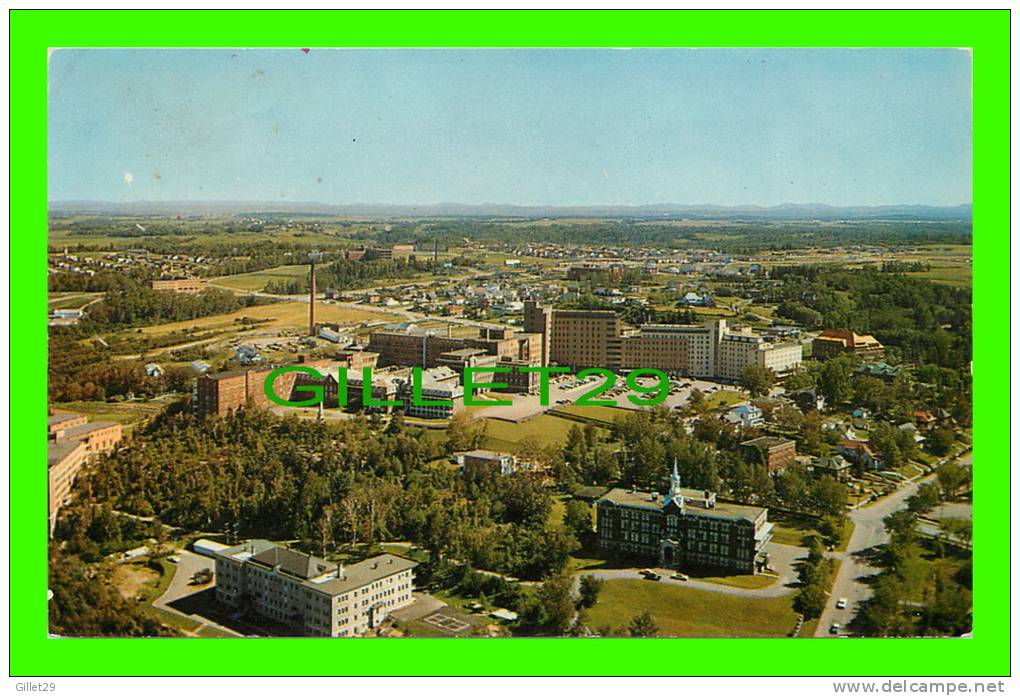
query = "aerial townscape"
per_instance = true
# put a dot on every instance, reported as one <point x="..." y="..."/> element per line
<point x="804" y="470"/>
<point x="585" y="412"/>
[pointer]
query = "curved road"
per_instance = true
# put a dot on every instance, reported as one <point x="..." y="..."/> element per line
<point x="868" y="533"/>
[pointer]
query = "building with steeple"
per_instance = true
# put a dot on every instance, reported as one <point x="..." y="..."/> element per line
<point x="685" y="529"/>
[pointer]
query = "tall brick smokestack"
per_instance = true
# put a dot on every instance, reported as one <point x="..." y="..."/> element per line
<point x="312" y="258"/>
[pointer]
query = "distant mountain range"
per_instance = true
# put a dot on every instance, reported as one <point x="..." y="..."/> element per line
<point x="666" y="211"/>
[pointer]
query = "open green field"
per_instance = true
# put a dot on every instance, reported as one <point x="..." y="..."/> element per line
<point x="71" y="300"/>
<point x="747" y="582"/>
<point x="257" y="280"/>
<point x="960" y="275"/>
<point x="602" y="414"/>
<point x="723" y="399"/>
<point x="280" y="314"/>
<point x="548" y="430"/>
<point x="127" y="413"/>
<point x="688" y="613"/>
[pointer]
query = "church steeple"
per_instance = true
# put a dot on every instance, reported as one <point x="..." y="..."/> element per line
<point x="674" y="487"/>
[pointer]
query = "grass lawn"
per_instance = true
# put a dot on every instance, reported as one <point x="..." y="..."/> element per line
<point x="723" y="398"/>
<point x="601" y="414"/>
<point x="808" y="629"/>
<point x="71" y="300"/>
<point x="689" y="613"/>
<point x="280" y="314"/>
<point x="549" y="430"/>
<point x="791" y="529"/>
<point x="127" y="413"/>
<point x="747" y="582"/>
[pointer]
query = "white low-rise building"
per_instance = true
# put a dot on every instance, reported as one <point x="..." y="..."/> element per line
<point x="310" y="594"/>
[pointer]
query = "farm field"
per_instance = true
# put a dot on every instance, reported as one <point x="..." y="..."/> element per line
<point x="257" y="280"/>
<point x="688" y="613"/>
<point x="282" y="314"/>
<point x="960" y="275"/>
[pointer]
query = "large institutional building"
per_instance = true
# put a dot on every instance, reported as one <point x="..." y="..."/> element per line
<point x="72" y="440"/>
<point x="686" y="528"/>
<point x="838" y="341"/>
<point x="596" y="338"/>
<point x="310" y="594"/>
<point x="491" y="348"/>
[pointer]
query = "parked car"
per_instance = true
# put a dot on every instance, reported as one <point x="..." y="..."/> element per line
<point x="650" y="575"/>
<point x="841" y="603"/>
<point x="834" y="629"/>
<point x="679" y="576"/>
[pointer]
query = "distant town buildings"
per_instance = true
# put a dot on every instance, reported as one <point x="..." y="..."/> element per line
<point x="310" y="595"/>
<point x="183" y="285"/>
<point x="686" y="528"/>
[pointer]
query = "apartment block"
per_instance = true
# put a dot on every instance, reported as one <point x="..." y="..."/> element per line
<point x="310" y="595"/>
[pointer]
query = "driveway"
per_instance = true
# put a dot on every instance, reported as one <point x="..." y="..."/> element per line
<point x="188" y="564"/>
<point x="781" y="557"/>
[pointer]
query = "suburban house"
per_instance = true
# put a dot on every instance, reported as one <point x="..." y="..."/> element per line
<point x="859" y="452"/>
<point x="745" y="416"/>
<point x="836" y="466"/>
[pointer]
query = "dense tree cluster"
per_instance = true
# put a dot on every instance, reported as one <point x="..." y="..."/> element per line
<point x="925" y="322"/>
<point x="330" y="486"/>
<point x="79" y="370"/>
<point x="911" y="596"/>
<point x="345" y="275"/>
<point x="85" y="603"/>
<point x="130" y="302"/>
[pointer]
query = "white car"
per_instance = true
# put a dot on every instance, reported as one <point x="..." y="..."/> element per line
<point x="842" y="603"/>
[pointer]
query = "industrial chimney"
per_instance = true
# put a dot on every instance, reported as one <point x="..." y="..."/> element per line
<point x="312" y="258"/>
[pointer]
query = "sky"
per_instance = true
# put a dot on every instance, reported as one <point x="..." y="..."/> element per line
<point x="525" y="127"/>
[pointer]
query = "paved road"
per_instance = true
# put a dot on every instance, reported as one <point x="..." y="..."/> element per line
<point x="187" y="565"/>
<point x="781" y="557"/>
<point x="868" y="533"/>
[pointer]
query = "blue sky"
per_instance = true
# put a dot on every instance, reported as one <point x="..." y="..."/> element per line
<point x="528" y="127"/>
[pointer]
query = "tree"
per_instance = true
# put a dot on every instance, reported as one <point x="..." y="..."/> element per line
<point x="926" y="498"/>
<point x="577" y="518"/>
<point x="942" y="441"/>
<point x="884" y="440"/>
<point x="643" y="626"/>
<point x="551" y="613"/>
<point x="834" y="380"/>
<point x="757" y="380"/>
<point x="951" y="478"/>
<point x="589" y="588"/>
